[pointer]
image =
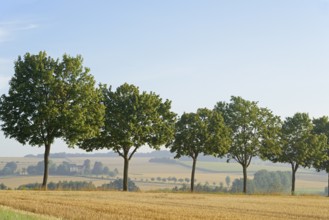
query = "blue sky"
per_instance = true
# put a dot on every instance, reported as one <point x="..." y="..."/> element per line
<point x="194" y="53"/>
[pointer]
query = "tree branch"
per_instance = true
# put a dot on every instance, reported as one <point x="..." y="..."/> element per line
<point x="132" y="153"/>
<point x="120" y="153"/>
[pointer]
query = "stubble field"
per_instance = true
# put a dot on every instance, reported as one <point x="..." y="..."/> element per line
<point x="121" y="205"/>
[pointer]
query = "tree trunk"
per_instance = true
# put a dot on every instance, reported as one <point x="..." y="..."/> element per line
<point x="45" y="173"/>
<point x="293" y="178"/>
<point x="125" y="173"/>
<point x="192" y="175"/>
<point x="244" y="179"/>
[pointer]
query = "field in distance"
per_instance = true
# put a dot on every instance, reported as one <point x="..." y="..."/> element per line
<point x="128" y="205"/>
<point x="142" y="171"/>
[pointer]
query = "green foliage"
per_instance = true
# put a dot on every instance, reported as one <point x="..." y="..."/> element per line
<point x="200" y="132"/>
<point x="132" y="120"/>
<point x="299" y="144"/>
<point x="7" y="213"/>
<point x="272" y="182"/>
<point x="254" y="131"/>
<point x="50" y="99"/>
<point x="118" y="185"/>
<point x="238" y="185"/>
<point x="3" y="186"/>
<point x="265" y="182"/>
<point x="321" y="126"/>
<point x="201" y="188"/>
<point x="300" y="147"/>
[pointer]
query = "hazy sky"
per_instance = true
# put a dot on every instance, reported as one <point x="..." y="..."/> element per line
<point x="194" y="53"/>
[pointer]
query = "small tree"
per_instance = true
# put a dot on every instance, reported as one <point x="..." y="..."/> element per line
<point x="50" y="99"/>
<point x="9" y="168"/>
<point x="228" y="181"/>
<point x="200" y="132"/>
<point x="98" y="168"/>
<point x="321" y="126"/>
<point x="132" y="120"/>
<point x="299" y="146"/>
<point x="254" y="131"/>
<point x="87" y="166"/>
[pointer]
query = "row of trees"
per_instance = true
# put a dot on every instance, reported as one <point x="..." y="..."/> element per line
<point x="263" y="182"/>
<point x="241" y="130"/>
<point x="51" y="99"/>
<point x="66" y="168"/>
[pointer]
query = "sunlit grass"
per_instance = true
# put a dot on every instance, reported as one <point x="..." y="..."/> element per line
<point x="7" y="213"/>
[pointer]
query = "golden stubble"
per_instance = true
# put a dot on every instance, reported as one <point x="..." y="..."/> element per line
<point x="128" y="205"/>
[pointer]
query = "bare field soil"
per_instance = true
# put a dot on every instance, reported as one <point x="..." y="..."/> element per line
<point x="120" y="205"/>
<point x="142" y="171"/>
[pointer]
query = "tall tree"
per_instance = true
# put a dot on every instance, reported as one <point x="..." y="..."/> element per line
<point x="321" y="126"/>
<point x="132" y="120"/>
<point x="299" y="146"/>
<point x="255" y="131"/>
<point x="51" y="99"/>
<point x="200" y="132"/>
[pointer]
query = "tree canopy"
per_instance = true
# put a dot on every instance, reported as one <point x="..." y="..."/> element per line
<point x="254" y="131"/>
<point x="51" y="99"/>
<point x="321" y="126"/>
<point x="132" y="120"/>
<point x="299" y="146"/>
<point x="200" y="132"/>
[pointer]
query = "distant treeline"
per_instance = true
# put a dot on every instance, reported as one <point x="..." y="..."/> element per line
<point x="70" y="169"/>
<point x="64" y="168"/>
<point x="77" y="185"/>
<point x="263" y="182"/>
<point x="153" y="154"/>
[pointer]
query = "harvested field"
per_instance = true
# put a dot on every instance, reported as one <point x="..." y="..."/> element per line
<point x="120" y="205"/>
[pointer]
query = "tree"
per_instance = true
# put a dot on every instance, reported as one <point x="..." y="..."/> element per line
<point x="50" y="99"/>
<point x="106" y="171"/>
<point x="87" y="166"/>
<point x="63" y="168"/>
<point x="228" y="181"/>
<point x="321" y="126"/>
<point x="117" y="185"/>
<point x="254" y="131"/>
<point x="132" y="120"/>
<point x="299" y="146"/>
<point x="200" y="132"/>
<point x="98" y="168"/>
<point x="272" y="182"/>
<point x="9" y="168"/>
